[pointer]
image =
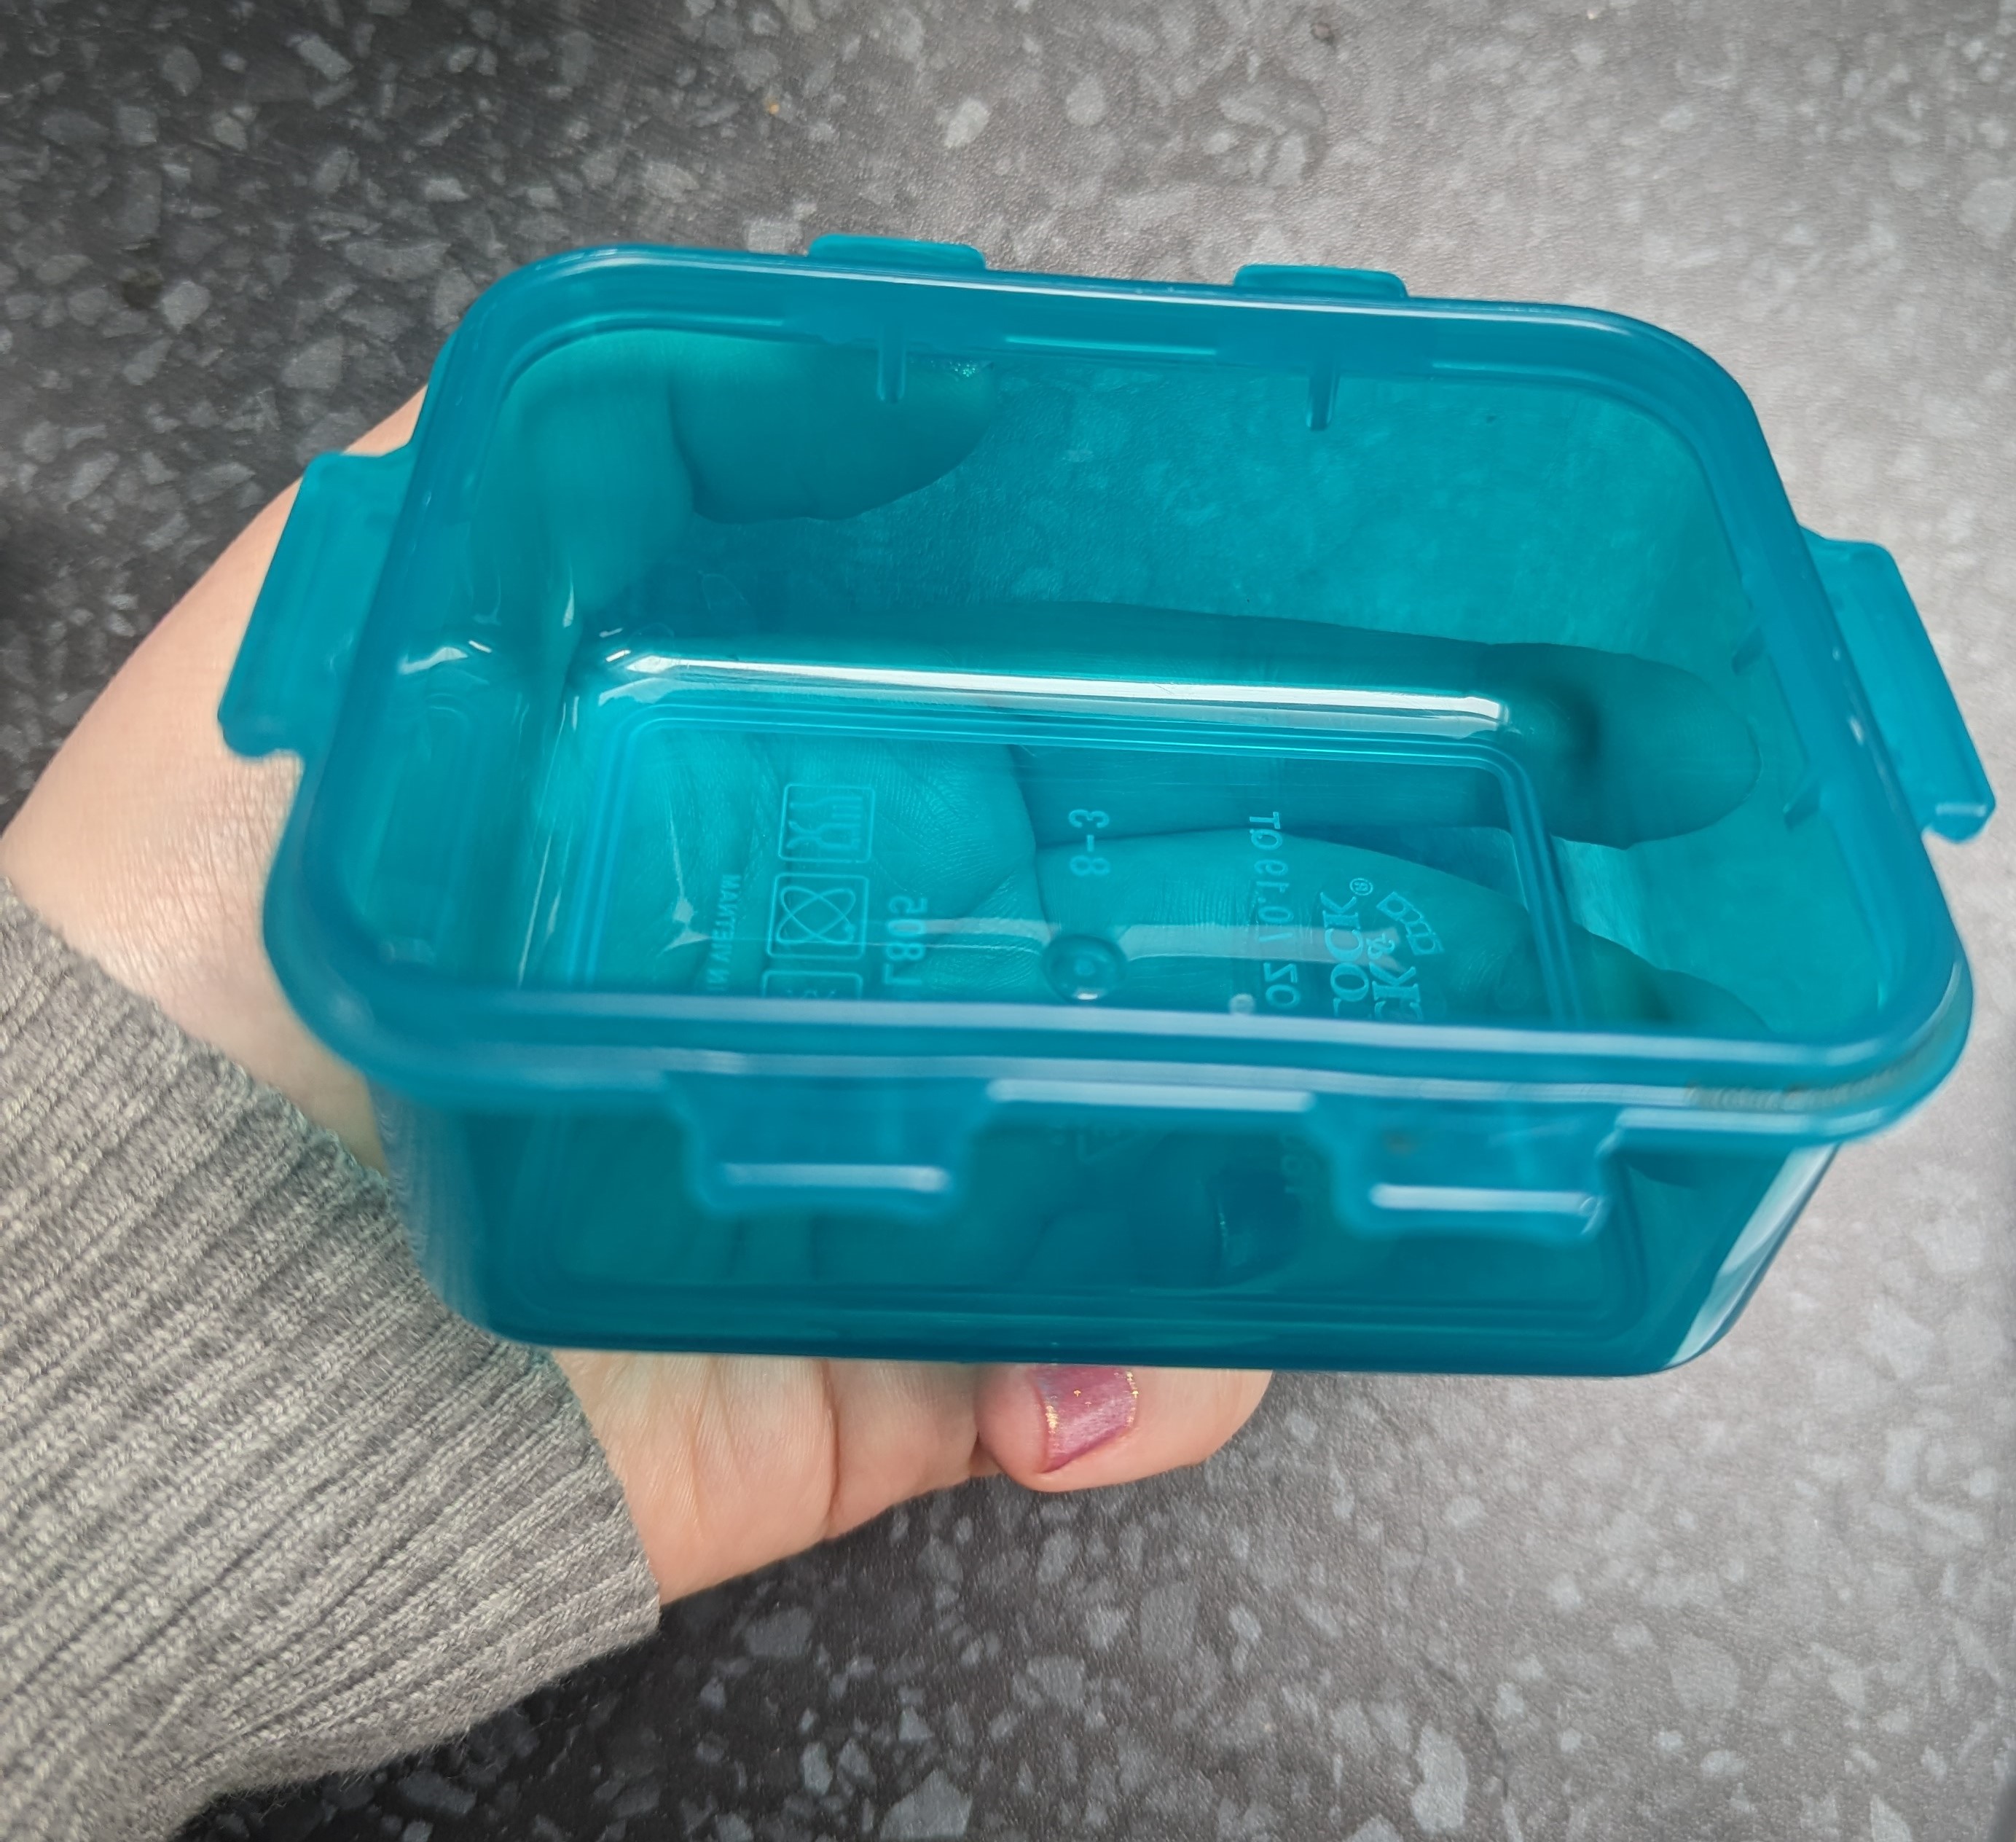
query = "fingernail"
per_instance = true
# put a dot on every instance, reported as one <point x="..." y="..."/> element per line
<point x="1083" y="1409"/>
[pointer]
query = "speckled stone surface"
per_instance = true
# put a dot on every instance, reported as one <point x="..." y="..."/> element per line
<point x="1773" y="1595"/>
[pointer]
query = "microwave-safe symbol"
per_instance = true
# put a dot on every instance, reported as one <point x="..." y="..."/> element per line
<point x="826" y="824"/>
<point x="818" y="916"/>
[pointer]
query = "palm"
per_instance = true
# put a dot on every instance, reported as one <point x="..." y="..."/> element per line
<point x="729" y="1462"/>
<point x="146" y="845"/>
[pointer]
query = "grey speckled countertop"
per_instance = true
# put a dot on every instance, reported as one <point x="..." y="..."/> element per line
<point x="1773" y="1595"/>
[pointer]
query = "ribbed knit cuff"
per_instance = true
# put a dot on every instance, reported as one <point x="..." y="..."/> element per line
<point x="267" y="1508"/>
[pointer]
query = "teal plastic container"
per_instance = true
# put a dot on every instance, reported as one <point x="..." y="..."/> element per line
<point x="859" y="805"/>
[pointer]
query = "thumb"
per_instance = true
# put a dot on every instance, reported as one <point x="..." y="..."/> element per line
<point x="1067" y="1428"/>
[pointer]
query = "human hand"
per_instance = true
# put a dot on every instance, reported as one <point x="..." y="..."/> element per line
<point x="607" y="451"/>
<point x="146" y="845"/>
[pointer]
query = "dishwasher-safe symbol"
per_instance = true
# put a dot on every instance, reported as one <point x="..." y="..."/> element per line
<point x="826" y="824"/>
<point x="818" y="916"/>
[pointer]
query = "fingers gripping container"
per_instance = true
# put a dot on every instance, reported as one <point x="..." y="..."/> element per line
<point x="857" y="804"/>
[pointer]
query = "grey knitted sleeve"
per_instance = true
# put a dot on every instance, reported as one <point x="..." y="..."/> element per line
<point x="266" y="1508"/>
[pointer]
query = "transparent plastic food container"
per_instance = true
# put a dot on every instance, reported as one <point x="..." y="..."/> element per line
<point x="860" y="805"/>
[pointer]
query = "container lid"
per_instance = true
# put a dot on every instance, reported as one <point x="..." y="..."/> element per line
<point x="842" y="696"/>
